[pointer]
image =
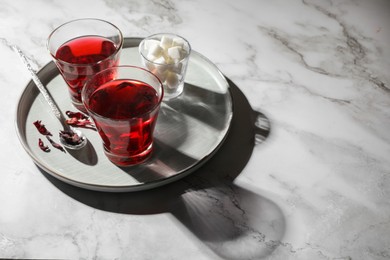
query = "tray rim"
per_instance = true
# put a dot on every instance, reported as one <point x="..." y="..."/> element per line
<point x="128" y="43"/>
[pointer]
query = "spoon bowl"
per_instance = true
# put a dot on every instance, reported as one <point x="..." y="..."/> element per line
<point x="72" y="146"/>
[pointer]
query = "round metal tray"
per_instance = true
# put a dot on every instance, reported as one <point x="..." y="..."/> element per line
<point x="189" y="130"/>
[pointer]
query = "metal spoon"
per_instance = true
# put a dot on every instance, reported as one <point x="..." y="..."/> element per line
<point x="56" y="111"/>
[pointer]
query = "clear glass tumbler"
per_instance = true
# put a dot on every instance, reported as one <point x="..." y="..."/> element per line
<point x="124" y="102"/>
<point x="81" y="48"/>
<point x="166" y="55"/>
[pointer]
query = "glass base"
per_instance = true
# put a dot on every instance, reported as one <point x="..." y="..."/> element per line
<point x="123" y="160"/>
<point x="173" y="93"/>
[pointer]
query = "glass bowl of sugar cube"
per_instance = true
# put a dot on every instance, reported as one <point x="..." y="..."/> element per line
<point x="166" y="56"/>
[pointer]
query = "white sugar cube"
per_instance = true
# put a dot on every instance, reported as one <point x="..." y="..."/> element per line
<point x="178" y="42"/>
<point x="172" y="79"/>
<point x="170" y="61"/>
<point x="151" y="57"/>
<point x="155" y="50"/>
<point x="175" y="52"/>
<point x="161" y="68"/>
<point x="161" y="74"/>
<point x="186" y="49"/>
<point x="177" y="68"/>
<point x="165" y="42"/>
<point x="184" y="52"/>
<point x="150" y="43"/>
<point x="160" y="60"/>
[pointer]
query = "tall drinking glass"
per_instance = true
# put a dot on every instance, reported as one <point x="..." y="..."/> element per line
<point x="81" y="48"/>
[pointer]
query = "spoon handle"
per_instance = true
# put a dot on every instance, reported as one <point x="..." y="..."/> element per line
<point x="40" y="86"/>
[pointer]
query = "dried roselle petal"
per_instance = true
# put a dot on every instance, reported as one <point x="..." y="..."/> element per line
<point x="71" y="137"/>
<point x="78" y="119"/>
<point x="77" y="115"/>
<point x="84" y="123"/>
<point x="41" y="128"/>
<point x="55" y="145"/>
<point x="72" y="121"/>
<point x="43" y="147"/>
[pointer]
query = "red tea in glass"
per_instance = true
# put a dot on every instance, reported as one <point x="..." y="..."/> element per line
<point x="81" y="48"/>
<point x="124" y="102"/>
<point x="91" y="54"/>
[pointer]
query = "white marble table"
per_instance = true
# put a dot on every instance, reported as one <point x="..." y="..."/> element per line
<point x="303" y="174"/>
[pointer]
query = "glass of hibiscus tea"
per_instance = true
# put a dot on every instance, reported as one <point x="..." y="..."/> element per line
<point x="124" y="102"/>
<point x="81" y="48"/>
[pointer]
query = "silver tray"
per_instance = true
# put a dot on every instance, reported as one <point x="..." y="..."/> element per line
<point x="189" y="130"/>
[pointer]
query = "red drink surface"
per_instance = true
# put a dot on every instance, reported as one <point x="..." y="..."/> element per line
<point x="127" y="112"/>
<point x="84" y="56"/>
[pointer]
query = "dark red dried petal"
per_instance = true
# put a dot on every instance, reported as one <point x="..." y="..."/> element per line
<point x="41" y="128"/>
<point x="71" y="137"/>
<point x="72" y="121"/>
<point x="43" y="147"/>
<point x="77" y="115"/>
<point x="84" y="123"/>
<point x="78" y="119"/>
<point x="56" y="145"/>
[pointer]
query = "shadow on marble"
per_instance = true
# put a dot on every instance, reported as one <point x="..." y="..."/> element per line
<point x="233" y="222"/>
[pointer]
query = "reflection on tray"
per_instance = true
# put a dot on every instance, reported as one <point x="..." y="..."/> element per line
<point x="202" y="104"/>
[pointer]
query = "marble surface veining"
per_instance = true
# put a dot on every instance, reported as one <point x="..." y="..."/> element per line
<point x="303" y="174"/>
